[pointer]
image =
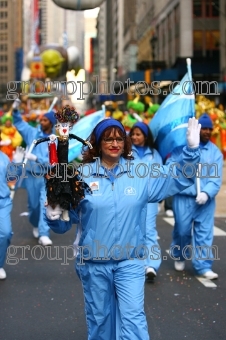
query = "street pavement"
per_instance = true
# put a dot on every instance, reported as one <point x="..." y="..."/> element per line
<point x="42" y="298"/>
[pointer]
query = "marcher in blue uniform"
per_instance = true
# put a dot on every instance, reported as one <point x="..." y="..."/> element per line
<point x="5" y="211"/>
<point x="113" y="227"/>
<point x="197" y="209"/>
<point x="35" y="181"/>
<point x="143" y="150"/>
<point x="6" y="206"/>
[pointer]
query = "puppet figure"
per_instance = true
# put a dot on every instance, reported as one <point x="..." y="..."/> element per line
<point x="63" y="184"/>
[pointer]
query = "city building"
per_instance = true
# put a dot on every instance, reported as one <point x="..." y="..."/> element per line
<point x="117" y="45"/>
<point x="11" y="43"/>
<point x="102" y="44"/>
<point x="90" y="32"/>
<point x="169" y="31"/>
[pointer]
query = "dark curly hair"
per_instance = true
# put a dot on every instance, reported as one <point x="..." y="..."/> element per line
<point x="89" y="154"/>
<point x="67" y="114"/>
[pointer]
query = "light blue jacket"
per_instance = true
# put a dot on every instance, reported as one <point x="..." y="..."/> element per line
<point x="4" y="189"/>
<point x="114" y="216"/>
<point x="211" y="176"/>
<point x="29" y="134"/>
<point x="149" y="155"/>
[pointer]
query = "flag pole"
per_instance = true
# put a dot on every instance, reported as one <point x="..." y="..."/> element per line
<point x="188" y="60"/>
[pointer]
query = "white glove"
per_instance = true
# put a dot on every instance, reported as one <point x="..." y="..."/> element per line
<point x="193" y="133"/>
<point x="202" y="198"/>
<point x="53" y="214"/>
<point x="5" y="142"/>
<point x="31" y="157"/>
<point x="16" y="104"/>
<point x="18" y="155"/>
<point x="52" y="138"/>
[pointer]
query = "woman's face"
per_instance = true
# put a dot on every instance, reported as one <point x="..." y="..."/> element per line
<point x="112" y="146"/>
<point x="138" y="138"/>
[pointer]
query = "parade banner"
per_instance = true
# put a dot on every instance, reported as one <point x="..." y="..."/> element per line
<point x="169" y="124"/>
<point x="83" y="129"/>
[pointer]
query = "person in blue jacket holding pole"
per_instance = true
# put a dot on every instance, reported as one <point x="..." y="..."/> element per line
<point x="144" y="151"/>
<point x="194" y="208"/>
<point x="112" y="247"/>
<point x="36" y="167"/>
<point x="6" y="205"/>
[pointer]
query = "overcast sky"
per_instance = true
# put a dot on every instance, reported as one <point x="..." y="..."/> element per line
<point x="91" y="13"/>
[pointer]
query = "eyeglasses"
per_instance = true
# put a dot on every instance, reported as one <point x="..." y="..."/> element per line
<point x="110" y="140"/>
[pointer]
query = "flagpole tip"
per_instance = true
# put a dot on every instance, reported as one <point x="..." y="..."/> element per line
<point x="188" y="60"/>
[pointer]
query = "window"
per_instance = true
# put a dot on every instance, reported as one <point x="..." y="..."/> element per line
<point x="198" y="40"/>
<point x="206" y="8"/>
<point x="3" y="4"/>
<point x="3" y="36"/>
<point x="212" y="8"/>
<point x="3" y="14"/>
<point x="3" y="47"/>
<point x="3" y="68"/>
<point x="212" y="40"/>
<point x="3" y="58"/>
<point x="208" y="40"/>
<point x="197" y="8"/>
<point x="3" y="25"/>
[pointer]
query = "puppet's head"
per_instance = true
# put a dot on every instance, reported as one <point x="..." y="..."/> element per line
<point x="66" y="118"/>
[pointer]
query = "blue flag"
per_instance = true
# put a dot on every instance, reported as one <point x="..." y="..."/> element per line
<point x="83" y="129"/>
<point x="169" y="124"/>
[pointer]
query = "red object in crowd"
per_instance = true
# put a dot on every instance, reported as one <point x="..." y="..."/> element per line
<point x="223" y="142"/>
<point x="89" y="112"/>
<point x="53" y="159"/>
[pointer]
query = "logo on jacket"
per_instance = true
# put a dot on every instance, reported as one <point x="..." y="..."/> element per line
<point x="94" y="186"/>
<point x="130" y="191"/>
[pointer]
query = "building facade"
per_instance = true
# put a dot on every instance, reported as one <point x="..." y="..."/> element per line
<point x="11" y="42"/>
<point x="172" y="30"/>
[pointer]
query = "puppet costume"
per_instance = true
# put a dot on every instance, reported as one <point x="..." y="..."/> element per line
<point x="63" y="185"/>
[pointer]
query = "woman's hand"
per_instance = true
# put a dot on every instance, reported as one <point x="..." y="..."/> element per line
<point x="193" y="133"/>
<point x="53" y="214"/>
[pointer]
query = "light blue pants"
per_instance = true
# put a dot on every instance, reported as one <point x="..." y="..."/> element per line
<point x="154" y="252"/>
<point x="5" y="231"/>
<point x="36" y="192"/>
<point x="114" y="299"/>
<point x="196" y="247"/>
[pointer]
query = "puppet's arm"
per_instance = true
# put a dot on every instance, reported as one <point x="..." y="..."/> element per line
<point x="51" y="138"/>
<point x="84" y="142"/>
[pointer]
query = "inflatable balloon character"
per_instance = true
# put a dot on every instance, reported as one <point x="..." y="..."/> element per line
<point x="63" y="184"/>
<point x="55" y="61"/>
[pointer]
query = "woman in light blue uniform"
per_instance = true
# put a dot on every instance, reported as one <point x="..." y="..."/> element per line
<point x="113" y="227"/>
<point x="143" y="150"/>
<point x="5" y="211"/>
